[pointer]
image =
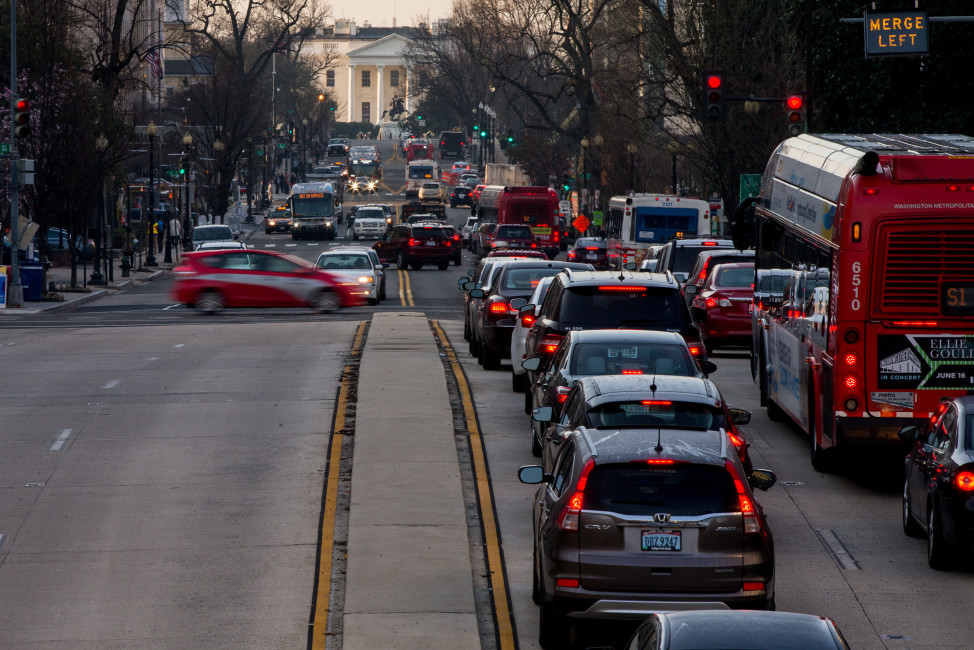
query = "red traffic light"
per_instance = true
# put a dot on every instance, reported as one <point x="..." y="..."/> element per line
<point x="794" y="102"/>
<point x="21" y="104"/>
<point x="714" y="81"/>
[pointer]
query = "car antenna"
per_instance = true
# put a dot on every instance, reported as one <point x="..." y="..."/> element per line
<point x="659" y="430"/>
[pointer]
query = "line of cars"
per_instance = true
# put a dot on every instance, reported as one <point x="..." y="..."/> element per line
<point x="646" y="500"/>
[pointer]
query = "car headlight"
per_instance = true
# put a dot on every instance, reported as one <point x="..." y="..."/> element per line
<point x="366" y="278"/>
<point x="328" y="223"/>
<point x="272" y="223"/>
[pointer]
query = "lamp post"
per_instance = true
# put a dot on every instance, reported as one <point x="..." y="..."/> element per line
<point x="187" y="234"/>
<point x="632" y="150"/>
<point x="101" y="143"/>
<point x="150" y="260"/>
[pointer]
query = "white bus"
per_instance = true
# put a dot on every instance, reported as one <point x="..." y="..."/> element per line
<point x="419" y="172"/>
<point x="637" y="222"/>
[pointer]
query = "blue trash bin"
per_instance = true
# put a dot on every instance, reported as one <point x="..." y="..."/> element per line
<point x="32" y="279"/>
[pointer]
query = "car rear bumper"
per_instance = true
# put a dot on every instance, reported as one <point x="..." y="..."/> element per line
<point x="605" y="606"/>
<point x="497" y="338"/>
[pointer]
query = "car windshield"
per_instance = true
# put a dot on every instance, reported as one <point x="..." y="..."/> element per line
<point x="631" y="359"/>
<point x="683" y="490"/>
<point x="430" y="186"/>
<point x="212" y="233"/>
<point x="344" y="262"/>
<point x="370" y="213"/>
<point x="426" y="232"/>
<point x="737" y="278"/>
<point x="626" y="306"/>
<point x="686" y="256"/>
<point x="590" y="243"/>
<point x="514" y="232"/>
<point x="321" y="206"/>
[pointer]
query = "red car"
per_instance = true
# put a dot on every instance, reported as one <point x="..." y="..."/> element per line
<point x="212" y="280"/>
<point x="722" y="309"/>
<point x="510" y="236"/>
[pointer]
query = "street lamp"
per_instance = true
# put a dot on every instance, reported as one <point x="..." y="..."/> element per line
<point x="101" y="143"/>
<point x="632" y="150"/>
<point x="187" y="236"/>
<point x="150" y="260"/>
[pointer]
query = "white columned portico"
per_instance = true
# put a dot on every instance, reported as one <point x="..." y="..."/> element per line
<point x="380" y="103"/>
<point x="351" y="92"/>
<point x="409" y="90"/>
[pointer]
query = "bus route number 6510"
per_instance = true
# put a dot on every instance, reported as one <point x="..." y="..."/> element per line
<point x="856" y="283"/>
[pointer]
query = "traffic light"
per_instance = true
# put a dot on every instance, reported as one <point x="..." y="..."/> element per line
<point x="713" y="96"/>
<point x="182" y="167"/>
<point x="483" y="134"/>
<point x="21" y="118"/>
<point x="795" y="109"/>
<point x="476" y="130"/>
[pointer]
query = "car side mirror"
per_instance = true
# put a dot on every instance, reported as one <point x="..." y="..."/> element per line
<point x="543" y="414"/>
<point x="740" y="416"/>
<point x="526" y="309"/>
<point x="531" y="364"/>
<point x="707" y="367"/>
<point x="690" y="289"/>
<point x="909" y="433"/>
<point x="470" y="273"/>
<point x="532" y="475"/>
<point x="469" y="285"/>
<point x="680" y="276"/>
<point x="517" y="303"/>
<point x="761" y="479"/>
<point x="699" y="313"/>
<point x="386" y="265"/>
<point x="477" y="293"/>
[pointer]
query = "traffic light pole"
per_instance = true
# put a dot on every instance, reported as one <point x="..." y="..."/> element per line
<point x="15" y="292"/>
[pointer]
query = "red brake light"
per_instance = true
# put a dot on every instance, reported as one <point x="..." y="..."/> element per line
<point x="632" y="372"/>
<point x="695" y="350"/>
<point x="562" y="393"/>
<point x="709" y="243"/>
<point x="413" y="242"/>
<point x="613" y="287"/>
<point x="711" y="303"/>
<point x="499" y="307"/>
<point x="571" y="255"/>
<point x="915" y="323"/>
<point x="736" y="440"/>
<point x="964" y="481"/>
<point x="591" y="248"/>
<point x="751" y="522"/>
<point x="527" y="319"/>
<point x="568" y="519"/>
<point x="659" y="461"/>
<point x="550" y="343"/>
<point x="657" y="402"/>
<point x="850" y="382"/>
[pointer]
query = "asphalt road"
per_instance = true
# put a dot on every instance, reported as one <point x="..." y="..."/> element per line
<point x="161" y="480"/>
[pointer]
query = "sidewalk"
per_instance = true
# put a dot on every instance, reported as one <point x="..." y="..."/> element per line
<point x="409" y="580"/>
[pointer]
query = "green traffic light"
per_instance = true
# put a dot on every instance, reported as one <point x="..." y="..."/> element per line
<point x="483" y="134"/>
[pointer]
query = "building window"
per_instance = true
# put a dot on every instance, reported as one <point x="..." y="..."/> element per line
<point x="170" y="91"/>
<point x="393" y="77"/>
<point x="366" y="112"/>
<point x="366" y="78"/>
<point x="330" y="78"/>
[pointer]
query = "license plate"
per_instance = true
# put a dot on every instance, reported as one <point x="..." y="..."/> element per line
<point x="661" y="540"/>
<point x="750" y="308"/>
<point x="431" y="242"/>
<point x="591" y="256"/>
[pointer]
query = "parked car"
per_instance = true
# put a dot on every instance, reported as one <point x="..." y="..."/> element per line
<point x="591" y="250"/>
<point x="213" y="280"/>
<point x="493" y="322"/>
<point x="622" y="527"/>
<point x="723" y="307"/>
<point x="710" y="629"/>
<point x="938" y="492"/>
<point x="413" y="245"/>
<point x="356" y="269"/>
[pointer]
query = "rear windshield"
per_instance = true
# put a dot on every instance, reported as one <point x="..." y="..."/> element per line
<point x="211" y="234"/>
<point x="652" y="308"/>
<point x="514" y="232"/>
<point x="684" y="257"/>
<point x="425" y="233"/>
<point x="657" y="413"/>
<point x="737" y="278"/>
<point x="526" y="279"/>
<point x="590" y="243"/>
<point x="631" y="359"/>
<point x="681" y="490"/>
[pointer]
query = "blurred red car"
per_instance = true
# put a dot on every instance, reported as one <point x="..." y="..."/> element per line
<point x="722" y="309"/>
<point x="213" y="280"/>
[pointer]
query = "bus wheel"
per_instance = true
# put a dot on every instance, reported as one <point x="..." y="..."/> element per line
<point x="823" y="460"/>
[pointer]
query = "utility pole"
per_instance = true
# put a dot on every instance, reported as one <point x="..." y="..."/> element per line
<point x="15" y="292"/>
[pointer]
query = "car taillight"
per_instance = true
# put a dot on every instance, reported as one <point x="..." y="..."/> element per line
<point x="568" y="519"/>
<point x="737" y="441"/>
<point x="550" y="343"/>
<point x="413" y="242"/>
<point x="748" y="510"/>
<point x="555" y="235"/>
<point x="534" y="244"/>
<point x="571" y="254"/>
<point x="527" y="320"/>
<point x="627" y="371"/>
<point x="711" y="303"/>
<point x="562" y="392"/>
<point x="500" y="307"/>
<point x="964" y="481"/>
<point x="696" y="350"/>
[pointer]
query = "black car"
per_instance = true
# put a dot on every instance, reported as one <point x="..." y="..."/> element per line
<point x="592" y="250"/>
<point x="461" y="195"/>
<point x="710" y="629"/>
<point x="337" y="147"/>
<point x="938" y="492"/>
<point x="278" y="220"/>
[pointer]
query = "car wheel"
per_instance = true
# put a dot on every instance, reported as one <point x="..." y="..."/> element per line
<point x="416" y="265"/>
<point x="527" y="400"/>
<point x="373" y="301"/>
<point x="443" y="265"/>
<point x="268" y="231"/>
<point x="400" y="261"/>
<point x="325" y="302"/>
<point x="535" y="442"/>
<point x="491" y="358"/>
<point x="518" y="382"/>
<point x="453" y="204"/>
<point x="382" y="291"/>
<point x="554" y="628"/>
<point x="823" y="460"/>
<point x="938" y="555"/>
<point x="762" y="375"/>
<point x="210" y="302"/>
<point x="472" y="346"/>
<point x="456" y="261"/>
<point x="910" y="525"/>
<point x="354" y="237"/>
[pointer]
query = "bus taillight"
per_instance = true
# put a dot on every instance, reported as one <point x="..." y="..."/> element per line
<point x="851" y="382"/>
<point x="851" y="359"/>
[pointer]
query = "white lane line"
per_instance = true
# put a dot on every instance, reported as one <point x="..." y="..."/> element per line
<point x="290" y="245"/>
<point x="178" y="345"/>
<point x="3" y="538"/>
<point x="60" y="440"/>
<point x="837" y="549"/>
<point x="270" y="245"/>
<point x="313" y="245"/>
<point x="152" y="359"/>
<point x="178" y="304"/>
<point x="112" y="383"/>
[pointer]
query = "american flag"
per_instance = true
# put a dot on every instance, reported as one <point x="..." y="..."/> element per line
<point x="155" y="64"/>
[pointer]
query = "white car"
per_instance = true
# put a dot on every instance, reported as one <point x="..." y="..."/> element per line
<point x="357" y="271"/>
<point x="213" y="233"/>
<point x="520" y="334"/>
<point x="430" y="192"/>
<point x="220" y="245"/>
<point x="469" y="227"/>
<point x="369" y="222"/>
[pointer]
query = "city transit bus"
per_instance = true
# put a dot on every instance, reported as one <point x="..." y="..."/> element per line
<point x="863" y="316"/>
<point x="640" y="221"/>
<point x="313" y="210"/>
<point x="536" y="207"/>
<point x="419" y="172"/>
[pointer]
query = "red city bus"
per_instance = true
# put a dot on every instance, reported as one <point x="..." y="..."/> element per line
<point x="863" y="316"/>
<point x="536" y="207"/>
<point x="419" y="149"/>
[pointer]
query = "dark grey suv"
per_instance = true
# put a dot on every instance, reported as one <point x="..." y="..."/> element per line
<point x="633" y="523"/>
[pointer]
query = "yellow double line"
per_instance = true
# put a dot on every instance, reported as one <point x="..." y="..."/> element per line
<point x="326" y="548"/>
<point x="405" y="290"/>
<point x="503" y="613"/>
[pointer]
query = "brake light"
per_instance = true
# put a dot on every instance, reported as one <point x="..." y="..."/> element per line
<point x="413" y="242"/>
<point x="562" y="394"/>
<point x="527" y="320"/>
<point x="568" y="519"/>
<point x="613" y="287"/>
<point x="696" y="350"/>
<point x="737" y="441"/>
<point x="591" y="248"/>
<point x="499" y="307"/>
<point x="632" y="372"/>
<point x="964" y="481"/>
<point x="571" y="254"/>
<point x="550" y="343"/>
<point x="710" y="243"/>
<point x="659" y="461"/>
<point x="751" y="522"/>
<point x="851" y="359"/>
<point x="657" y="402"/>
<point x="915" y="323"/>
<point x="711" y="303"/>
<point x="851" y="382"/>
<point x="534" y="245"/>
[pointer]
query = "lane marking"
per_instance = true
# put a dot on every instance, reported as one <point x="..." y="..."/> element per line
<point x="405" y="290"/>
<point x="320" y="607"/>
<point x="837" y="549"/>
<point x="270" y="245"/>
<point x="112" y="383"/>
<point x="290" y="245"/>
<point x="178" y="345"/>
<point x="62" y="437"/>
<point x="3" y="538"/>
<point x="503" y="614"/>
<point x="178" y="304"/>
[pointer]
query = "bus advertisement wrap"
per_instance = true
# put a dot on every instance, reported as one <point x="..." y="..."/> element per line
<point x="938" y="362"/>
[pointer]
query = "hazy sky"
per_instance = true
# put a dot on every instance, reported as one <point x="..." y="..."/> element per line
<point x="380" y="12"/>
